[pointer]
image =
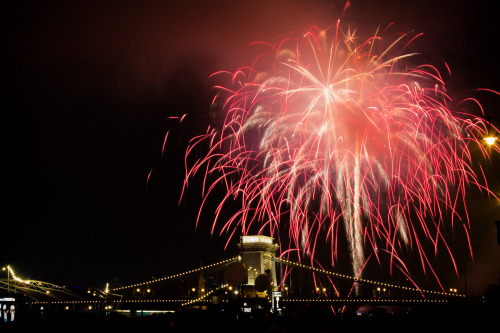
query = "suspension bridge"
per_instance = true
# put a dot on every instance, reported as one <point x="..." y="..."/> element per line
<point x="254" y="280"/>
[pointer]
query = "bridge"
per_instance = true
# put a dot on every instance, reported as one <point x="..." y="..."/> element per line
<point x="255" y="280"/>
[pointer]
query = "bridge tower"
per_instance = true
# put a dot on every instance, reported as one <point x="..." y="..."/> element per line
<point x="256" y="252"/>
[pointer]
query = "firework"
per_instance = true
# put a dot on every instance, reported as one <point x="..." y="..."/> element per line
<point x="330" y="135"/>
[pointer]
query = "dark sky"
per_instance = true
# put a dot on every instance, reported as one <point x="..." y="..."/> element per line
<point x="88" y="89"/>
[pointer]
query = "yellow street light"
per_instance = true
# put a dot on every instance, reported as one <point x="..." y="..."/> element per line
<point x="490" y="140"/>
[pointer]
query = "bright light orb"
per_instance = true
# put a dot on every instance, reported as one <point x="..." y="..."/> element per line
<point x="490" y="140"/>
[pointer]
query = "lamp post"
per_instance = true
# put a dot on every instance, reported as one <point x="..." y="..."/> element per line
<point x="8" y="277"/>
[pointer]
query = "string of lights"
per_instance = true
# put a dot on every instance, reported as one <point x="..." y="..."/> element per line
<point x="13" y="275"/>
<point x="32" y="287"/>
<point x="365" y="300"/>
<point x="354" y="279"/>
<point x="202" y="297"/>
<point x="140" y="284"/>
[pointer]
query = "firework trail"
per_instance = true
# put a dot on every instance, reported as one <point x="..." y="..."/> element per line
<point x="324" y="137"/>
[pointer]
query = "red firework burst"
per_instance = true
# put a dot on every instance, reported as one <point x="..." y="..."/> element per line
<point x="323" y="133"/>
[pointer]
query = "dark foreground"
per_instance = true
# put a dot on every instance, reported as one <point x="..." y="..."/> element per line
<point x="306" y="318"/>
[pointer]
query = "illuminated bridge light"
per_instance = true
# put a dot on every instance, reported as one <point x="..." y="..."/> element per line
<point x="178" y="274"/>
<point x="314" y="270"/>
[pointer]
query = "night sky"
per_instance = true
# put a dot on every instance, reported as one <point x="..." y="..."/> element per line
<point x="88" y="91"/>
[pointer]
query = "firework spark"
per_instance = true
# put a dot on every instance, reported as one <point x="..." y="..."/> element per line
<point x="325" y="137"/>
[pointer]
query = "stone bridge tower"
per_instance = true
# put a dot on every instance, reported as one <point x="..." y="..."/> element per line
<point x="255" y="253"/>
